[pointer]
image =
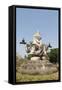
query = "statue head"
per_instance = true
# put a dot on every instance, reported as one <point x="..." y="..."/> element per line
<point x="37" y="36"/>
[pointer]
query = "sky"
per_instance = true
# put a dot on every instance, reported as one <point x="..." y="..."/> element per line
<point x="29" y="21"/>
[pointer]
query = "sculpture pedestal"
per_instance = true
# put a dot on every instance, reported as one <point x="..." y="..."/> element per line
<point x="35" y="58"/>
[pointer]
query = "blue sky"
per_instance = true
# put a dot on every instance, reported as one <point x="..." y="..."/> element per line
<point x="29" y="21"/>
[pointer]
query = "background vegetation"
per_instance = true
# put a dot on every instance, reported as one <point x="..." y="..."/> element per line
<point x="54" y="55"/>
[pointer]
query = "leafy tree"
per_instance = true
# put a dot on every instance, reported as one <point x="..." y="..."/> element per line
<point x="54" y="55"/>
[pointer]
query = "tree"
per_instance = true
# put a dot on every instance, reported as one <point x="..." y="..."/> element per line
<point x="54" y="55"/>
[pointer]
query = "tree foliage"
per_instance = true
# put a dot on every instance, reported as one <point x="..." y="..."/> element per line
<point x="29" y="56"/>
<point x="54" y="55"/>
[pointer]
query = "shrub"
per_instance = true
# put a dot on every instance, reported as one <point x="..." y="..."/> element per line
<point x="53" y="55"/>
<point x="29" y="56"/>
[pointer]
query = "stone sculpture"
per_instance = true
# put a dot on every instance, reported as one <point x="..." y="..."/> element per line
<point x="39" y="62"/>
<point x="36" y="48"/>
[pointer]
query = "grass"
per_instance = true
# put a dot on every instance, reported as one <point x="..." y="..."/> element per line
<point x="25" y="77"/>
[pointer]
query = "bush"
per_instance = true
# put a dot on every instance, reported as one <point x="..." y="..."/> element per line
<point x="54" y="55"/>
<point x="29" y="56"/>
